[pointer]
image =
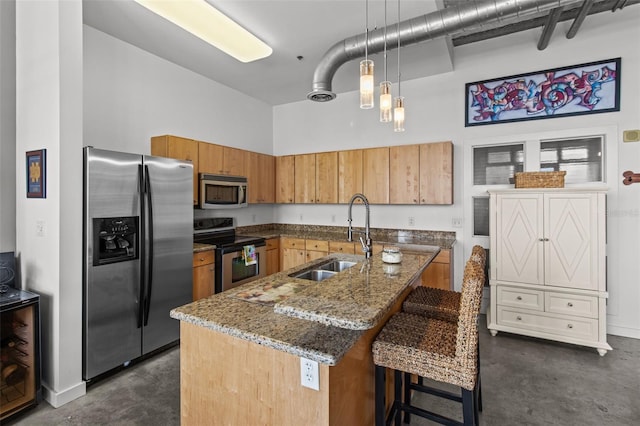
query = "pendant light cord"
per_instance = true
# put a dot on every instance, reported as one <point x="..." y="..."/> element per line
<point x="398" y="35"/>
<point x="385" y="40"/>
<point x="366" y="28"/>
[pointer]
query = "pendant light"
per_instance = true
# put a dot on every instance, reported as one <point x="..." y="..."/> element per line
<point x="366" y="68"/>
<point x="385" y="86"/>
<point x="398" y="108"/>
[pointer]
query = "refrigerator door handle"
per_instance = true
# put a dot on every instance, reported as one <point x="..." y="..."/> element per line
<point x="149" y="215"/>
<point x="143" y="250"/>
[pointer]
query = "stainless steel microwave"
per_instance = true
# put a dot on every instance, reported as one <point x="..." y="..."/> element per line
<point x="222" y="191"/>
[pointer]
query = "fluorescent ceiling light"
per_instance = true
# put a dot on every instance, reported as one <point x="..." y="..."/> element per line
<point x="206" y="22"/>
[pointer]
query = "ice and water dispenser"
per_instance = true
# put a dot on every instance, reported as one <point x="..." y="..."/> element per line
<point x="115" y="239"/>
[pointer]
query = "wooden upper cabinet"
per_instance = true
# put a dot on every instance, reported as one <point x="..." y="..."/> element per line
<point x="234" y="159"/>
<point x="181" y="149"/>
<point x="211" y="158"/>
<point x="436" y="173"/>
<point x="261" y="177"/>
<point x="375" y="182"/>
<point x="305" y="178"/>
<point x="285" y="179"/>
<point x="404" y="174"/>
<point x="221" y="160"/>
<point x="327" y="178"/>
<point x="349" y="174"/>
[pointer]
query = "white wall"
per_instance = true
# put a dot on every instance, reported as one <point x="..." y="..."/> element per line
<point x="7" y="126"/>
<point x="435" y="112"/>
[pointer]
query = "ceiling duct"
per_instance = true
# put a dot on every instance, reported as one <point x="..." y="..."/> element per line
<point x="426" y="27"/>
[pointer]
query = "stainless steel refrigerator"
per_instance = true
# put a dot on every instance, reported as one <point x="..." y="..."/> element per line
<point x="138" y="254"/>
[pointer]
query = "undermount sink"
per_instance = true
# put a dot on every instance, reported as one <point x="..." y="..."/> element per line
<point x="316" y="275"/>
<point x="337" y="265"/>
<point x="324" y="271"/>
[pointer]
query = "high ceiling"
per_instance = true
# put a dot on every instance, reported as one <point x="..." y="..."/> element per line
<point x="300" y="32"/>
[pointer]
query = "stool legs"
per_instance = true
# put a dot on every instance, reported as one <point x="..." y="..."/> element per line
<point x="379" y="397"/>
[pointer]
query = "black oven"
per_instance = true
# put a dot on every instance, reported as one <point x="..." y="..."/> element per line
<point x="239" y="259"/>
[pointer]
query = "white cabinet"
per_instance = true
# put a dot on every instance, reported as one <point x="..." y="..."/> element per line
<point x="548" y="265"/>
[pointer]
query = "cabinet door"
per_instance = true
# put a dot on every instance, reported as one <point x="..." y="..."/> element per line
<point x="285" y="178"/>
<point x="260" y="177"/>
<point x="571" y="240"/>
<point x="438" y="273"/>
<point x="376" y="175"/>
<point x="404" y="174"/>
<point x="305" y="178"/>
<point x="203" y="281"/>
<point x="181" y="149"/>
<point x="291" y="258"/>
<point x="518" y="238"/>
<point x="233" y="161"/>
<point x="349" y="174"/>
<point x="327" y="178"/>
<point x="211" y="158"/>
<point x="436" y="173"/>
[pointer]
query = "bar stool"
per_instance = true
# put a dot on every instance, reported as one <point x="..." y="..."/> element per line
<point x="435" y="349"/>
<point x="438" y="303"/>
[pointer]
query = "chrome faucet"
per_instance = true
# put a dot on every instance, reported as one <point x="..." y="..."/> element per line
<point x="366" y="242"/>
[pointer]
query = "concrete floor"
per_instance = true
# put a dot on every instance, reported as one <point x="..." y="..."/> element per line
<point x="525" y="381"/>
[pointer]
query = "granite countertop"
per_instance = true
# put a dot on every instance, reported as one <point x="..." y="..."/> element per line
<point x="316" y="320"/>
<point x="443" y="239"/>
<point x="198" y="247"/>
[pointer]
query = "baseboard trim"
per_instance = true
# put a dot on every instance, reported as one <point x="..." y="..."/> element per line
<point x="615" y="330"/>
<point x="58" y="399"/>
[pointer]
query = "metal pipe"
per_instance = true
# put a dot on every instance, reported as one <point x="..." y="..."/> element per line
<point x="584" y="11"/>
<point x="466" y="16"/>
<point x="548" y="28"/>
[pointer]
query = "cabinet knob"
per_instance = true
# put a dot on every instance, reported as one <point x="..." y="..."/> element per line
<point x="569" y="325"/>
<point x="202" y="259"/>
<point x="519" y="318"/>
<point x="569" y="304"/>
<point x="543" y="239"/>
<point x="519" y="298"/>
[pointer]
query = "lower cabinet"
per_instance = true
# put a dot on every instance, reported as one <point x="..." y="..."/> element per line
<point x="273" y="255"/>
<point x="315" y="249"/>
<point x="439" y="273"/>
<point x="292" y="252"/>
<point x="203" y="274"/>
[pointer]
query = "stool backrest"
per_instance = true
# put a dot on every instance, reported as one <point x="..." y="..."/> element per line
<point x="470" y="298"/>
<point x="479" y="255"/>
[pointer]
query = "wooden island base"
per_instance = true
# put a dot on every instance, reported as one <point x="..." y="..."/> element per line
<point x="225" y="380"/>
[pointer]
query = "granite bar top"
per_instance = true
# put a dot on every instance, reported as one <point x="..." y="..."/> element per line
<point x="315" y="320"/>
<point x="443" y="239"/>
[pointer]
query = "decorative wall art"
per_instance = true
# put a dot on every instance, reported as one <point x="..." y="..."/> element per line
<point x="36" y="174"/>
<point x="559" y="92"/>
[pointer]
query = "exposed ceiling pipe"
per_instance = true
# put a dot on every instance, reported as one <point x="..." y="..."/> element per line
<point x="426" y="27"/>
<point x="584" y="11"/>
<point x="548" y="28"/>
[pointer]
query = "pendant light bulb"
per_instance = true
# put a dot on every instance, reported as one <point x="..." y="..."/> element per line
<point x="398" y="115"/>
<point x="385" y="102"/>
<point x="366" y="84"/>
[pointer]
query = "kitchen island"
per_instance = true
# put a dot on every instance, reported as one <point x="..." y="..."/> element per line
<point x="240" y="350"/>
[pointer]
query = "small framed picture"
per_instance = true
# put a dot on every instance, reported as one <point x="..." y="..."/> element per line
<point x="37" y="174"/>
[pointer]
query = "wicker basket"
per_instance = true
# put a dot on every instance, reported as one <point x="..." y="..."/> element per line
<point x="540" y="179"/>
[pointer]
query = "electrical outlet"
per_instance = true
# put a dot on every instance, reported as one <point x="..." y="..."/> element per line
<point x="309" y="374"/>
<point x="253" y="218"/>
<point x="40" y="228"/>
<point x="412" y="221"/>
<point x="333" y="218"/>
<point x="300" y="217"/>
<point x="456" y="222"/>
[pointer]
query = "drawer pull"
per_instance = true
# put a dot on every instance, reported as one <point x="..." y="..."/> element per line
<point x="569" y="325"/>
<point x="519" y="298"/>
<point x="543" y="239"/>
<point x="202" y="259"/>
<point x="569" y="304"/>
<point x="519" y="318"/>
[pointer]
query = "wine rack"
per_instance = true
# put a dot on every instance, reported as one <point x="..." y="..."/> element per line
<point x="19" y="358"/>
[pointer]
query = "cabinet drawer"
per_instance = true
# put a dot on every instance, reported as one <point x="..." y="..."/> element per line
<point x="521" y="298"/>
<point x="317" y="245"/>
<point x="574" y="327"/>
<point x="443" y="257"/>
<point x="294" y="243"/>
<point x="342" y="247"/>
<point x="571" y="304"/>
<point x="273" y="243"/>
<point x="203" y="258"/>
